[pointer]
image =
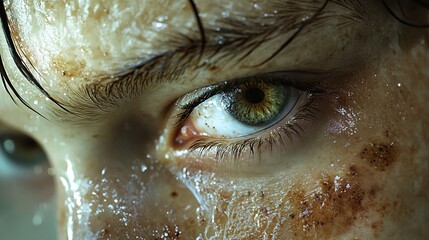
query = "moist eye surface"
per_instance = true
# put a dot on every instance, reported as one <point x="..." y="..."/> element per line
<point x="256" y="103"/>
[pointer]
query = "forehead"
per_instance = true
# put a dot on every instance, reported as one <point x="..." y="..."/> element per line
<point x="91" y="37"/>
<point x="77" y="36"/>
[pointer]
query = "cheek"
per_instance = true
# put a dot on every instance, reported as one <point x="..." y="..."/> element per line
<point x="230" y="210"/>
<point x="368" y="178"/>
<point x="139" y="201"/>
<point x="323" y="204"/>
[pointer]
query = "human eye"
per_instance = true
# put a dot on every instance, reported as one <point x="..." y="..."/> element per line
<point x="20" y="156"/>
<point x="27" y="181"/>
<point x="239" y="120"/>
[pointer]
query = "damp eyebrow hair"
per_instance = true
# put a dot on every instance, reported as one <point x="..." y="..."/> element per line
<point x="241" y="38"/>
<point x="165" y="65"/>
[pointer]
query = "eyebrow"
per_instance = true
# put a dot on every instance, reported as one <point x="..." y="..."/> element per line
<point x="233" y="39"/>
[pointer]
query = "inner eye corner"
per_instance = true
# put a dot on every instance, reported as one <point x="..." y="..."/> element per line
<point x="243" y="115"/>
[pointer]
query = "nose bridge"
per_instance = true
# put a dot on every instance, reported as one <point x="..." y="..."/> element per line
<point x="108" y="194"/>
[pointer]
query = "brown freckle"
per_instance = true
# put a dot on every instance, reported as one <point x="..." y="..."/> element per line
<point x="379" y="155"/>
<point x="68" y="67"/>
<point x="377" y="226"/>
<point x="225" y="194"/>
<point x="264" y="211"/>
<point x="353" y="171"/>
<point x="168" y="232"/>
<point x="382" y="209"/>
<point x="387" y="133"/>
<point x="174" y="194"/>
<point x="105" y="233"/>
<point x="373" y="191"/>
<point x="330" y="210"/>
<point x="212" y="68"/>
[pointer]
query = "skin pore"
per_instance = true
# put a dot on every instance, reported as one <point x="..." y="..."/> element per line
<point x="354" y="165"/>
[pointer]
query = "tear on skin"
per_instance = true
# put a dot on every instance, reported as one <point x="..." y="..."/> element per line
<point x="130" y="206"/>
<point x="327" y="205"/>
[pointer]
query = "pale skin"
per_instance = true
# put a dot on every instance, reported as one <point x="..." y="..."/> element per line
<point x="358" y="170"/>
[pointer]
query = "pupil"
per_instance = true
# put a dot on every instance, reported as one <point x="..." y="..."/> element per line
<point x="254" y="95"/>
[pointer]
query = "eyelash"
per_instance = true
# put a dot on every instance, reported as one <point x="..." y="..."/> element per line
<point x="281" y="135"/>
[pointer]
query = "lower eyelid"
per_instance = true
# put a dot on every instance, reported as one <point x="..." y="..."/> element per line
<point x="282" y="136"/>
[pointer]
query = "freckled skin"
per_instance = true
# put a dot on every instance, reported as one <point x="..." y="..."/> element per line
<point x="379" y="155"/>
<point x="360" y="171"/>
<point x="368" y="188"/>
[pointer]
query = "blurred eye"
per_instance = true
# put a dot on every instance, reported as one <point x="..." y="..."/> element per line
<point x="244" y="110"/>
<point x="27" y="189"/>
<point x="19" y="154"/>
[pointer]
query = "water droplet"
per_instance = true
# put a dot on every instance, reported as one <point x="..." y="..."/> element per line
<point x="38" y="215"/>
<point x="256" y="5"/>
<point x="159" y="25"/>
<point x="220" y="40"/>
<point x="305" y="18"/>
<point x="37" y="219"/>
<point x="9" y="146"/>
<point x="162" y="18"/>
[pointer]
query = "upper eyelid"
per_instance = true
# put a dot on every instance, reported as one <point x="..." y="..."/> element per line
<point x="296" y="81"/>
<point x="191" y="100"/>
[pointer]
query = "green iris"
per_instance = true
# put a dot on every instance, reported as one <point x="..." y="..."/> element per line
<point x="256" y="103"/>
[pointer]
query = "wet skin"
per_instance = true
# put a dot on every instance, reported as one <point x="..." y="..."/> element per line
<point x="357" y="169"/>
